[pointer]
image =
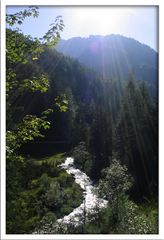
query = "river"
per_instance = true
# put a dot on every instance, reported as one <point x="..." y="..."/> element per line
<point x="90" y="202"/>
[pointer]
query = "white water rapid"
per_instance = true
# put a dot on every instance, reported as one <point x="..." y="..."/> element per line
<point x="90" y="202"/>
<point x="90" y="198"/>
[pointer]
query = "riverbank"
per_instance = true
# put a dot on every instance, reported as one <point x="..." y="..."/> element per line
<point x="49" y="193"/>
<point x="80" y="214"/>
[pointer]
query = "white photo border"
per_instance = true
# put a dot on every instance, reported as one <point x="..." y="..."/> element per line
<point x="160" y="5"/>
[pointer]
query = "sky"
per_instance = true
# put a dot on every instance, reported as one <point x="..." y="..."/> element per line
<point x="138" y="22"/>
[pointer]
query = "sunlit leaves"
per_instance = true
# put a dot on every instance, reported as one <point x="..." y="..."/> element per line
<point x="116" y="181"/>
<point x="34" y="58"/>
<point x="39" y="83"/>
<point x="47" y="112"/>
<point x="10" y="79"/>
<point x="27" y="130"/>
<point x="19" y="17"/>
<point x="52" y="36"/>
<point x="21" y="49"/>
<point x="12" y="145"/>
<point x="136" y="221"/>
<point x="62" y="102"/>
<point x="30" y="128"/>
<point x="24" y="78"/>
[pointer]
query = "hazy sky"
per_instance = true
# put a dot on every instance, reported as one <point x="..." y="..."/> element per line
<point x="140" y="23"/>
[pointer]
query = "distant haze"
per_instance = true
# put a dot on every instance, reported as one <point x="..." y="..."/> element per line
<point x="115" y="56"/>
<point x="140" y="23"/>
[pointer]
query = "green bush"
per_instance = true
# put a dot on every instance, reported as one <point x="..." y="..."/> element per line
<point x="83" y="159"/>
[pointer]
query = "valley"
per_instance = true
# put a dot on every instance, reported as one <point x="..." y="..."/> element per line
<point x="81" y="133"/>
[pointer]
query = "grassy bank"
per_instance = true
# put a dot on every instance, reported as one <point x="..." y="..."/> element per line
<point x="49" y="193"/>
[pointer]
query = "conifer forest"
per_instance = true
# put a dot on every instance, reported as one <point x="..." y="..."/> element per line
<point x="81" y="132"/>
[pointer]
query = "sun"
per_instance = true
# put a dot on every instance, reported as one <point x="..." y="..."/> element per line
<point x="101" y="20"/>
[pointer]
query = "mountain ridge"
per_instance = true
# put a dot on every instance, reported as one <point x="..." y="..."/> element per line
<point x="114" y="56"/>
<point x="107" y="36"/>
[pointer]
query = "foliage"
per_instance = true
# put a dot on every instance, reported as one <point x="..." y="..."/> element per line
<point x="136" y="221"/>
<point x="61" y="102"/>
<point x="36" y="84"/>
<point x="52" y="36"/>
<point x="30" y="128"/>
<point x="50" y="194"/>
<point x="115" y="181"/>
<point x="133" y="220"/>
<point x="53" y="160"/>
<point x="121" y="216"/>
<point x="113" y="117"/>
<point x="113" y="186"/>
<point x="83" y="158"/>
<point x="19" y="17"/>
<point x="102" y="117"/>
<point x="136" y="137"/>
<point x="21" y="53"/>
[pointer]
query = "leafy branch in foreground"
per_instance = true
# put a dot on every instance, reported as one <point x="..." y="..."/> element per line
<point x="19" y="17"/>
<point x="23" y="79"/>
<point x="52" y="36"/>
<point x="22" y="49"/>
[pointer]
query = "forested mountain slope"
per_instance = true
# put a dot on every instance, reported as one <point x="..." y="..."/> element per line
<point x="114" y="56"/>
<point x="112" y="116"/>
<point x="109" y="117"/>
